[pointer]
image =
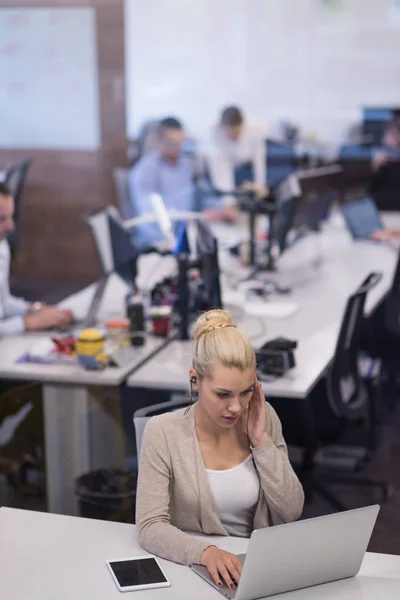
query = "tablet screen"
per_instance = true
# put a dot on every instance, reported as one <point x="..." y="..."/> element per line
<point x="143" y="571"/>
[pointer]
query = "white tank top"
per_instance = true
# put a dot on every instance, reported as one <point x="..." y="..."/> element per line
<point x="236" y="493"/>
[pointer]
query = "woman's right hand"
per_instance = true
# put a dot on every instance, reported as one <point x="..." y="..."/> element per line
<point x="222" y="566"/>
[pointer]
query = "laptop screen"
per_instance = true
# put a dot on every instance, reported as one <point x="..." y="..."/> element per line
<point x="362" y="217"/>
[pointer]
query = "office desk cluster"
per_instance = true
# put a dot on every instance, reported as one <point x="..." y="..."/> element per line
<point x="83" y="431"/>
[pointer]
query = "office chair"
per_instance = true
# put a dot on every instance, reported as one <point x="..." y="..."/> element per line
<point x="392" y="303"/>
<point x="15" y="177"/>
<point x="385" y="186"/>
<point x="143" y="415"/>
<point x="344" y="404"/>
<point x="21" y="435"/>
<point x="385" y="339"/>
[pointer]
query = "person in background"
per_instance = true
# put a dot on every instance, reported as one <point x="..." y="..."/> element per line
<point x="17" y="315"/>
<point x="170" y="172"/>
<point x="21" y="425"/>
<point x="391" y="136"/>
<point x="237" y="142"/>
<point x="219" y="467"/>
<point x="390" y="150"/>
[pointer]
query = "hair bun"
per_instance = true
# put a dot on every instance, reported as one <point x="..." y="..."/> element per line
<point x="211" y="320"/>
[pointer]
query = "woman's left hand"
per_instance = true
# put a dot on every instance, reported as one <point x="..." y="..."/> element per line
<point x="254" y="418"/>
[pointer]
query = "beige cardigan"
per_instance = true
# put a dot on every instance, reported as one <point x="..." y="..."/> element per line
<point x="174" y="495"/>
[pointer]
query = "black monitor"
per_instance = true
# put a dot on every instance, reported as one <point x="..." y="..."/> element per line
<point x="124" y="252"/>
<point x="207" y="254"/>
<point x="202" y="254"/>
<point x="281" y="162"/>
<point x="306" y="203"/>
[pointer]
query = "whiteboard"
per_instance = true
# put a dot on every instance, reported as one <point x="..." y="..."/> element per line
<point x="314" y="62"/>
<point x="48" y="79"/>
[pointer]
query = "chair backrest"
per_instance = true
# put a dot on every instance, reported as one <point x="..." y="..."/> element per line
<point x="392" y="303"/>
<point x="15" y="177"/>
<point x="142" y="416"/>
<point x="344" y="383"/>
<point x="121" y="182"/>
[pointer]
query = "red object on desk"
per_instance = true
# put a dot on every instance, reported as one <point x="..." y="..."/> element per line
<point x="161" y="326"/>
<point x="65" y="345"/>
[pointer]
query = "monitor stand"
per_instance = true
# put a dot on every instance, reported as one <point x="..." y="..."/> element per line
<point x="270" y="264"/>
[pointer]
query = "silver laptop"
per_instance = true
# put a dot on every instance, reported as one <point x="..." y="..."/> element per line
<point x="302" y="554"/>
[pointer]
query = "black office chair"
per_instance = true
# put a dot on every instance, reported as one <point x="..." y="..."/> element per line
<point x="385" y="186"/>
<point x="343" y="406"/>
<point x="392" y="304"/>
<point x="142" y="416"/>
<point x="15" y="178"/>
<point x="21" y="435"/>
<point x="385" y="339"/>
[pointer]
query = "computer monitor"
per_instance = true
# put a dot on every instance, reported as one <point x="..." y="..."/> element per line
<point x="163" y="218"/>
<point x="114" y="245"/>
<point x="207" y="256"/>
<point x="375" y="120"/>
<point x="281" y="162"/>
<point x="116" y="254"/>
<point x="196" y="249"/>
<point x="305" y="203"/>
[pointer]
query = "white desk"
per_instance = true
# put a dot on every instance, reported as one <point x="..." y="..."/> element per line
<point x="319" y="287"/>
<point x="44" y="556"/>
<point x="169" y="368"/>
<point x="82" y="431"/>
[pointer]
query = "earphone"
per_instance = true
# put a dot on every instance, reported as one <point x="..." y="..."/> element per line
<point x="193" y="379"/>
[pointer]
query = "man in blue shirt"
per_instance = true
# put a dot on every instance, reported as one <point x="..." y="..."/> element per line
<point x="170" y="172"/>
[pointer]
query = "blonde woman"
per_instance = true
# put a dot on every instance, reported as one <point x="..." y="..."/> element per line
<point x="219" y="468"/>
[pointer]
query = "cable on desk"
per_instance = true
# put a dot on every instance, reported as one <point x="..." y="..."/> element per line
<point x="266" y="378"/>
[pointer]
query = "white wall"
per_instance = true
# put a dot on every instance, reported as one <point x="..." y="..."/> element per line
<point x="315" y="62"/>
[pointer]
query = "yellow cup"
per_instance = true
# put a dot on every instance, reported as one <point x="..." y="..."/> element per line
<point x="90" y="349"/>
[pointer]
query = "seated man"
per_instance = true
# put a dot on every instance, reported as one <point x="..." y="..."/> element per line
<point x="17" y="315"/>
<point x="237" y="143"/>
<point x="390" y="150"/>
<point x="20" y="406"/>
<point x="170" y="172"/>
<point x="391" y="136"/>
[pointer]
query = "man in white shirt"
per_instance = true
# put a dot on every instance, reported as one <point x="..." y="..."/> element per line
<point x="21" y="429"/>
<point x="17" y="315"/>
<point x="236" y="141"/>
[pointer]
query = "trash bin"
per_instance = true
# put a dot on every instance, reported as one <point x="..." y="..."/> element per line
<point x="107" y="494"/>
